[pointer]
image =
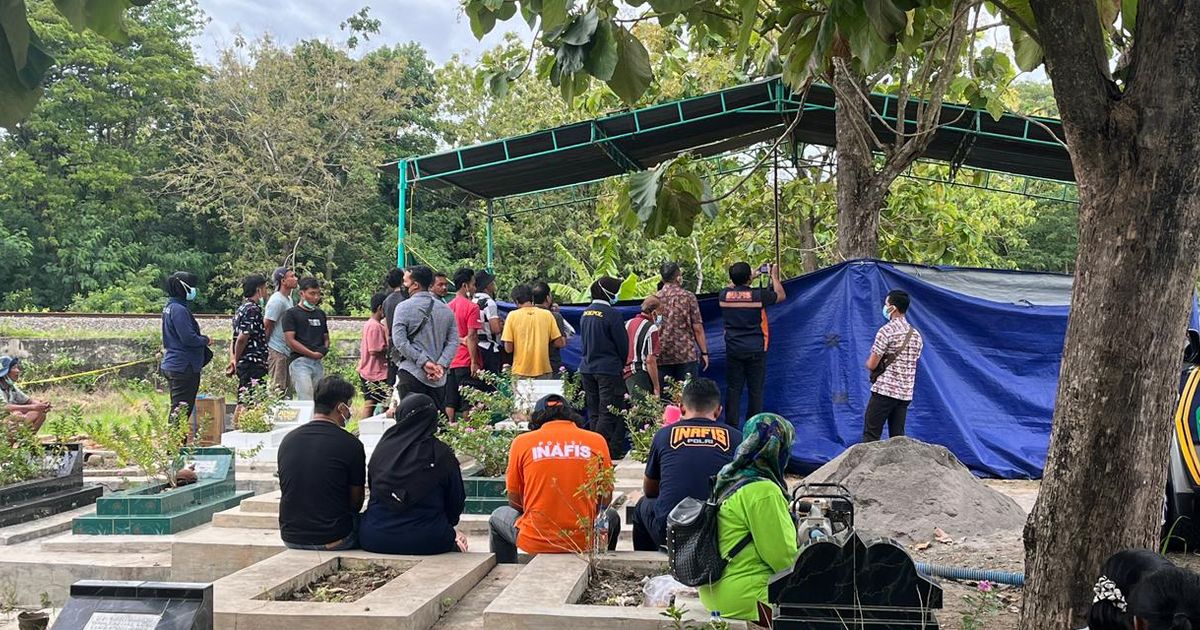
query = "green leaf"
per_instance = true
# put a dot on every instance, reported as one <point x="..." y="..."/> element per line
<point x="629" y="288"/>
<point x="107" y="17"/>
<point x="1028" y="52"/>
<point x="581" y="29"/>
<point x="798" y="64"/>
<point x="995" y="107"/>
<point x="749" y="20"/>
<point x="506" y="10"/>
<point x="601" y="60"/>
<point x="16" y="99"/>
<point x="73" y="10"/>
<point x="914" y="31"/>
<point x="482" y="21"/>
<point x="554" y="14"/>
<point x="632" y="74"/>
<point x="886" y="19"/>
<point x="16" y="31"/>
<point x="643" y="189"/>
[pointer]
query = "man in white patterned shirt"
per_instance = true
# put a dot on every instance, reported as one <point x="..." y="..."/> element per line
<point x="893" y="362"/>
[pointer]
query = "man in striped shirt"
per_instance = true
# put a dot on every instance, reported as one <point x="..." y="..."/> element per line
<point x="641" y="364"/>
<point x="897" y="348"/>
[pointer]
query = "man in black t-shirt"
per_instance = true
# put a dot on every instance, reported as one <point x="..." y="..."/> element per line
<point x="322" y="473"/>
<point x="746" y="336"/>
<point x="684" y="457"/>
<point x="605" y="344"/>
<point x="306" y="332"/>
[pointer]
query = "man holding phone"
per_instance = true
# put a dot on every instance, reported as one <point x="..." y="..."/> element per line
<point x="746" y="337"/>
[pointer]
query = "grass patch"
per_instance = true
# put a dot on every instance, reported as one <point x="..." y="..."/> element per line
<point x="105" y="405"/>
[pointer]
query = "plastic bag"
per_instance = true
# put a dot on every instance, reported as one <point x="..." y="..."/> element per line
<point x="661" y="590"/>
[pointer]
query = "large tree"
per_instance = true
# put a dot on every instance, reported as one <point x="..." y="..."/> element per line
<point x="1134" y="138"/>
<point x="78" y="210"/>
<point x="284" y="146"/>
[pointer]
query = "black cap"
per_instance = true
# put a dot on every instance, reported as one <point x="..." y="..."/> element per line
<point x="483" y="279"/>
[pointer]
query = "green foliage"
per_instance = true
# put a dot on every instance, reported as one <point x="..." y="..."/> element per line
<point x="22" y="456"/>
<point x="644" y="417"/>
<point x="982" y="606"/>
<point x="149" y="439"/>
<point x="25" y="58"/>
<point x="675" y="614"/>
<point x="472" y="433"/>
<point x="671" y="194"/>
<point x="75" y="192"/>
<point x="260" y="402"/>
<point x="138" y="293"/>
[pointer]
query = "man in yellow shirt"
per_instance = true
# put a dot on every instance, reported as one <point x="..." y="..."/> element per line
<point x="528" y="334"/>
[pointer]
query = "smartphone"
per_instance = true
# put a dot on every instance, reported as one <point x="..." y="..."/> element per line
<point x="764" y="269"/>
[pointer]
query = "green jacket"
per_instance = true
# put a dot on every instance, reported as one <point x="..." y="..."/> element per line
<point x="760" y="509"/>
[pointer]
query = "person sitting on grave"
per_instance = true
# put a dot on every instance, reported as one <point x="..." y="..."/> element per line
<point x="417" y="494"/>
<point x="683" y="460"/>
<point x="16" y="402"/>
<point x="755" y="530"/>
<point x="322" y="470"/>
<point x="559" y="481"/>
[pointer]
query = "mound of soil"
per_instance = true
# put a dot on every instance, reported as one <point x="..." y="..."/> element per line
<point x="906" y="489"/>
<point x="345" y="585"/>
<point x="612" y="586"/>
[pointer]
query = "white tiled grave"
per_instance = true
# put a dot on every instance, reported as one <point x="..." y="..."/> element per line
<point x="263" y="447"/>
<point x="415" y="600"/>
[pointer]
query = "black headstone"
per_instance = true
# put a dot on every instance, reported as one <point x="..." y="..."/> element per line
<point x="109" y="605"/>
<point x="866" y="586"/>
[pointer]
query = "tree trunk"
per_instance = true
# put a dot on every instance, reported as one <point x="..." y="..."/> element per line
<point x="1136" y="158"/>
<point x="858" y="196"/>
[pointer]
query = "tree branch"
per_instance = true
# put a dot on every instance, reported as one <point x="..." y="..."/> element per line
<point x="1077" y="63"/>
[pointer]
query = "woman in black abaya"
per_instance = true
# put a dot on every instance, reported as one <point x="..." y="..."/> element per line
<point x="417" y="493"/>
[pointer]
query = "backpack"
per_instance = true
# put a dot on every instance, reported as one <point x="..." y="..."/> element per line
<point x="693" y="553"/>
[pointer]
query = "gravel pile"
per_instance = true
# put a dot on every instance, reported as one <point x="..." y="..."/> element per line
<point x="907" y="490"/>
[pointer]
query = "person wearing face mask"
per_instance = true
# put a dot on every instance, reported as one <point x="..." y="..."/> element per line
<point x="248" y="352"/>
<point x="641" y="363"/>
<point x="747" y="336"/>
<point x="185" y="350"/>
<point x="605" y="345"/>
<point x="893" y="368"/>
<point x="322" y="474"/>
<point x="306" y="331"/>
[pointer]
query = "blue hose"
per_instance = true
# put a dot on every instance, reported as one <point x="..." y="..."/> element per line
<point x="962" y="573"/>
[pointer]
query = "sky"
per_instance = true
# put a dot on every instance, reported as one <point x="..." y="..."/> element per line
<point x="438" y="25"/>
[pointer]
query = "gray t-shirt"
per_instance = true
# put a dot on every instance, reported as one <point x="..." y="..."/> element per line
<point x="12" y="395"/>
<point x="276" y="307"/>
<point x="436" y="340"/>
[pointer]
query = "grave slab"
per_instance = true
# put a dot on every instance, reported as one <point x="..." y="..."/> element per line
<point x="112" y="605"/>
<point x="209" y="553"/>
<point x="157" y="509"/>
<point x="45" y="526"/>
<point x="63" y="490"/>
<point x="543" y="596"/>
<point x="27" y="571"/>
<point x="413" y="601"/>
<point x="263" y="447"/>
<point x="83" y="543"/>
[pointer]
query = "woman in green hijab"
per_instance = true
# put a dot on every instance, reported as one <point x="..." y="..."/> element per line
<point x="753" y="495"/>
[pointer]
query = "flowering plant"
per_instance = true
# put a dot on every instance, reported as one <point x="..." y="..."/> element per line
<point x="572" y="388"/>
<point x="472" y="433"/>
<point x="643" y="415"/>
<point x="983" y="604"/>
<point x="260" y="402"/>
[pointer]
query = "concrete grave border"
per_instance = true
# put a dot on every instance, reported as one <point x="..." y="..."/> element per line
<point x="542" y="597"/>
<point x="413" y="601"/>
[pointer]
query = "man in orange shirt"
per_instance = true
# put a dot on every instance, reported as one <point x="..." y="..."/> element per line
<point x="547" y="468"/>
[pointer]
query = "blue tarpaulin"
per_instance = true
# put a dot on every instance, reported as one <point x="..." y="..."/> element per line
<point x="986" y="379"/>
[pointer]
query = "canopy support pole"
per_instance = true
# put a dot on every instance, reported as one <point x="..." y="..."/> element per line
<point x="402" y="214"/>
<point x="490" y="243"/>
<point x="775" y="181"/>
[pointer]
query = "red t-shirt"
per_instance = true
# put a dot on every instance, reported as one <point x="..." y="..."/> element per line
<point x="466" y="313"/>
<point x="547" y="467"/>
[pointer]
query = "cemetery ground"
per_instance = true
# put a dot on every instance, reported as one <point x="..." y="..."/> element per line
<point x="237" y="548"/>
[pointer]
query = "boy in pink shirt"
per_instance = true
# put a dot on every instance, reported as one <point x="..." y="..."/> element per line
<point x="372" y="359"/>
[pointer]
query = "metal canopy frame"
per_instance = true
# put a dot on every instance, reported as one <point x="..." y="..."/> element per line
<point x="717" y="124"/>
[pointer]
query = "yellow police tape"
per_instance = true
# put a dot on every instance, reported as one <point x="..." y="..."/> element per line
<point x="111" y="368"/>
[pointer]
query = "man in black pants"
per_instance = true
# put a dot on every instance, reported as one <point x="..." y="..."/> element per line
<point x="746" y="336"/>
<point x="605" y="344"/>
<point x="896" y="350"/>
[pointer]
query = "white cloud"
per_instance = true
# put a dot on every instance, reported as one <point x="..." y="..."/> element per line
<point x="438" y="25"/>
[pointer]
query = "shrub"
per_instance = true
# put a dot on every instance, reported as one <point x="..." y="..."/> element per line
<point x="149" y="439"/>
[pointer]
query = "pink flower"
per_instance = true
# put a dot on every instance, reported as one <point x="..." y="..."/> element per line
<point x="470" y="429"/>
<point x="562" y="368"/>
<point x="985" y="586"/>
<point x="626" y="396"/>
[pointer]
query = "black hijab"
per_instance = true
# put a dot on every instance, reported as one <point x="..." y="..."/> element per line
<point x="409" y="461"/>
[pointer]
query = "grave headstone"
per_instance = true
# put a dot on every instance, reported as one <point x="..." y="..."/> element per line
<point x="872" y="586"/>
<point x="61" y="491"/>
<point x="109" y="605"/>
<point x="263" y="447"/>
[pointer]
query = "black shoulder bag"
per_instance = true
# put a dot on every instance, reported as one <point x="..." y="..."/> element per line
<point x="890" y="357"/>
